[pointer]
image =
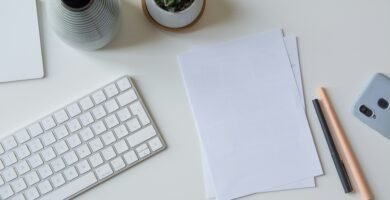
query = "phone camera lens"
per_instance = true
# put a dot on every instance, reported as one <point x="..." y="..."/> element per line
<point x="383" y="103"/>
<point x="366" y="111"/>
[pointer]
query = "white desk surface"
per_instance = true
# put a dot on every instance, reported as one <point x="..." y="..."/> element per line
<point x="342" y="43"/>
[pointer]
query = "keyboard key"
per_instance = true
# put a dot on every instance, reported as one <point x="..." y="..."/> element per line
<point x="143" y="150"/>
<point x="133" y="124"/>
<point x="137" y="109"/>
<point x="9" y="174"/>
<point x="19" y="197"/>
<point x="58" y="164"/>
<point x="124" y="114"/>
<point x="22" y="167"/>
<point x="86" y="103"/>
<point x="99" y="127"/>
<point x="74" y="125"/>
<point x="32" y="178"/>
<point x="73" y="110"/>
<point x="45" y="171"/>
<point x="73" y="141"/>
<point x="141" y="136"/>
<point x="35" y="161"/>
<point x="104" y="171"/>
<point x="126" y="97"/>
<point x="118" y="164"/>
<point x="57" y="180"/>
<point x="48" y="138"/>
<point x="83" y="166"/>
<point x="130" y="157"/>
<point x="121" y="147"/>
<point x="45" y="187"/>
<point x="6" y="191"/>
<point x="96" y="160"/>
<point x="48" y="123"/>
<point x="108" y="153"/>
<point x="111" y="90"/>
<point x="121" y="131"/>
<point x="111" y="121"/>
<point x="98" y="97"/>
<point x="61" y="132"/>
<point x="123" y="84"/>
<point x="111" y="106"/>
<point x="61" y="116"/>
<point x="99" y="112"/>
<point x="1" y="166"/>
<point x="35" y="129"/>
<point x="9" y="143"/>
<point x="61" y="147"/>
<point x="22" y="152"/>
<point x="35" y="145"/>
<point x="70" y="158"/>
<point x="155" y="144"/>
<point x="31" y="193"/>
<point x="96" y="144"/>
<point x="70" y="173"/>
<point x="108" y="138"/>
<point x="22" y="136"/>
<point x="9" y="158"/>
<point x="48" y="154"/>
<point x="19" y="185"/>
<point x="86" y="119"/>
<point x="86" y="134"/>
<point x="83" y="151"/>
<point x="72" y="188"/>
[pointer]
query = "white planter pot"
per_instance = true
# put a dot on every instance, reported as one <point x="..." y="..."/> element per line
<point x="177" y="19"/>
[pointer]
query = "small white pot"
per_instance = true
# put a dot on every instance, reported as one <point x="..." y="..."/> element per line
<point x="175" y="19"/>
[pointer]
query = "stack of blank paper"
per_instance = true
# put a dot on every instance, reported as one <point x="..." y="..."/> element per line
<point x="247" y="99"/>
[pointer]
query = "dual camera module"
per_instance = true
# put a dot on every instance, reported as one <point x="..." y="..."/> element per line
<point x="382" y="103"/>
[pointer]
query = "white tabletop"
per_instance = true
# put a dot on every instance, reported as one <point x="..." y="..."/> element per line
<point x="342" y="43"/>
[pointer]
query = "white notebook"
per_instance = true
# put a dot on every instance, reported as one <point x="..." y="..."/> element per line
<point x="249" y="115"/>
<point x="20" y="49"/>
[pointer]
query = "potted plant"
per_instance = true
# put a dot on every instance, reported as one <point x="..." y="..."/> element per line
<point x="173" y="14"/>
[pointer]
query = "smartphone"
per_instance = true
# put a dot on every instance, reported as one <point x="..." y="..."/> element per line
<point x="373" y="107"/>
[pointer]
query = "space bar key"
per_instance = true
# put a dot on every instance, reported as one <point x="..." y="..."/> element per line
<point x="72" y="188"/>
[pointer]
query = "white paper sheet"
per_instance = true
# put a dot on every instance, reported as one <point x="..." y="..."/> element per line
<point x="293" y="54"/>
<point x="21" y="56"/>
<point x="241" y="151"/>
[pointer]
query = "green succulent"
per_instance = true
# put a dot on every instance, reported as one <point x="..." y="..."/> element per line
<point x="174" y="5"/>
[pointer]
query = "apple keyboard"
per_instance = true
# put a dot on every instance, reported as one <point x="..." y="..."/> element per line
<point x="79" y="146"/>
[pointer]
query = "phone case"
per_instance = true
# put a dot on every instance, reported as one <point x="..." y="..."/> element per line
<point x="372" y="107"/>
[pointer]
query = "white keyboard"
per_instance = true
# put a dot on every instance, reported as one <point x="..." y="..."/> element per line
<point x="79" y="146"/>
